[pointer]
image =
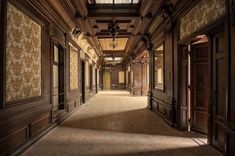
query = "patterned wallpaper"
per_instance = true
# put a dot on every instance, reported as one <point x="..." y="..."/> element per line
<point x="204" y="13"/>
<point x="23" y="56"/>
<point x="73" y="69"/>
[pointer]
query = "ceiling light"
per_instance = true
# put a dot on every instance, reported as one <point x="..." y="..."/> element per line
<point x="108" y="58"/>
<point x="117" y="58"/>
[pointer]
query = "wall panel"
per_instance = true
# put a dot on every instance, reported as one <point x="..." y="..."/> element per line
<point x="23" y="56"/>
<point x="73" y="68"/>
<point x="204" y="13"/>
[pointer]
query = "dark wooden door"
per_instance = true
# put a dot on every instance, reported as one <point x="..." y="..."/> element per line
<point x="129" y="81"/>
<point x="91" y="77"/>
<point x="83" y="81"/>
<point x="200" y="87"/>
<point x="219" y="90"/>
<point x="96" y="83"/>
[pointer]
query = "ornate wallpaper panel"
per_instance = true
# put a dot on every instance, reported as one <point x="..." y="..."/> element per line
<point x="23" y="56"/>
<point x="73" y="69"/>
<point x="204" y="13"/>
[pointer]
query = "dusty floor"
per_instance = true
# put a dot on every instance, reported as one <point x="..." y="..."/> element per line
<point x="117" y="124"/>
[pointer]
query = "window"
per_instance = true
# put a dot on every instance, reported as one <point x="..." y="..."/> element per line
<point x="159" y="67"/>
<point x="58" y="80"/>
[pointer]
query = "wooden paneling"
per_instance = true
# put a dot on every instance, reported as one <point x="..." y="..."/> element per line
<point x="40" y="124"/>
<point x="13" y="140"/>
<point x="230" y="143"/>
<point x="139" y="75"/>
<point x="137" y="79"/>
<point x="219" y="90"/>
<point x="231" y="106"/>
<point x="162" y="104"/>
<point x="200" y="88"/>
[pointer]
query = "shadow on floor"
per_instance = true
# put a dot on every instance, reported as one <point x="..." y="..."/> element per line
<point x="187" y="151"/>
<point x="142" y="121"/>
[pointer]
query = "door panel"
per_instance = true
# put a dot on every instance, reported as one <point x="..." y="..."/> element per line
<point x="200" y="88"/>
<point x="82" y="86"/>
<point x="219" y="90"/>
<point x="184" y="88"/>
<point x="107" y="81"/>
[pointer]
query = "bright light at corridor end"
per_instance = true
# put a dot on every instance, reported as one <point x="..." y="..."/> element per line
<point x="115" y="1"/>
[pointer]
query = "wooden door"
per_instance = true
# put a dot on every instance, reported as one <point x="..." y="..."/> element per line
<point x="96" y="81"/>
<point x="107" y="81"/>
<point x="184" y="88"/>
<point x="82" y="81"/>
<point x="219" y="90"/>
<point x="200" y="87"/>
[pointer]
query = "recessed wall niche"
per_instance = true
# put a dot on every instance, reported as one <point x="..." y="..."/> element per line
<point x="23" y="56"/>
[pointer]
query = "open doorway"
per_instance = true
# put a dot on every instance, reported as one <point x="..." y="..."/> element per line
<point x="203" y="83"/>
<point x="195" y="86"/>
<point x="199" y="85"/>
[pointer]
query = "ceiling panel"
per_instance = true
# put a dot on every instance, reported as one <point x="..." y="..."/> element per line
<point x="106" y="44"/>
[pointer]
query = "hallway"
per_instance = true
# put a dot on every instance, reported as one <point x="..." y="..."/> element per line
<point x="115" y="123"/>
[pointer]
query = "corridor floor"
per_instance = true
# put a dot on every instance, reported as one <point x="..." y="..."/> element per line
<point x="117" y="124"/>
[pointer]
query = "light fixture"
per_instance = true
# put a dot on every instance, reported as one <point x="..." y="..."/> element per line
<point x="113" y="44"/>
<point x="108" y="58"/>
<point x="76" y="32"/>
<point x="117" y="58"/>
<point x="113" y="30"/>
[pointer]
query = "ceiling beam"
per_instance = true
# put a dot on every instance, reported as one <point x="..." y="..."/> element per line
<point x="81" y="7"/>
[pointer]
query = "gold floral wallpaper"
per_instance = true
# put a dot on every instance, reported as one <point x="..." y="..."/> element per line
<point x="23" y="56"/>
<point x="87" y="75"/>
<point x="73" y="69"/>
<point x="204" y="13"/>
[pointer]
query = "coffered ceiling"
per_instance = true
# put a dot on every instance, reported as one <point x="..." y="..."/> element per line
<point x="107" y="44"/>
<point x="122" y="23"/>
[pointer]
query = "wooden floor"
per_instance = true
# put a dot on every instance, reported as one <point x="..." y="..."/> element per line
<point x="117" y="124"/>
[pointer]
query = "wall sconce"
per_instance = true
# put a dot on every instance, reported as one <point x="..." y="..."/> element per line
<point x="76" y="32"/>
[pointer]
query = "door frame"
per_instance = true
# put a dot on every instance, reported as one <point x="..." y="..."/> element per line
<point x="60" y="45"/>
<point x="213" y="31"/>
